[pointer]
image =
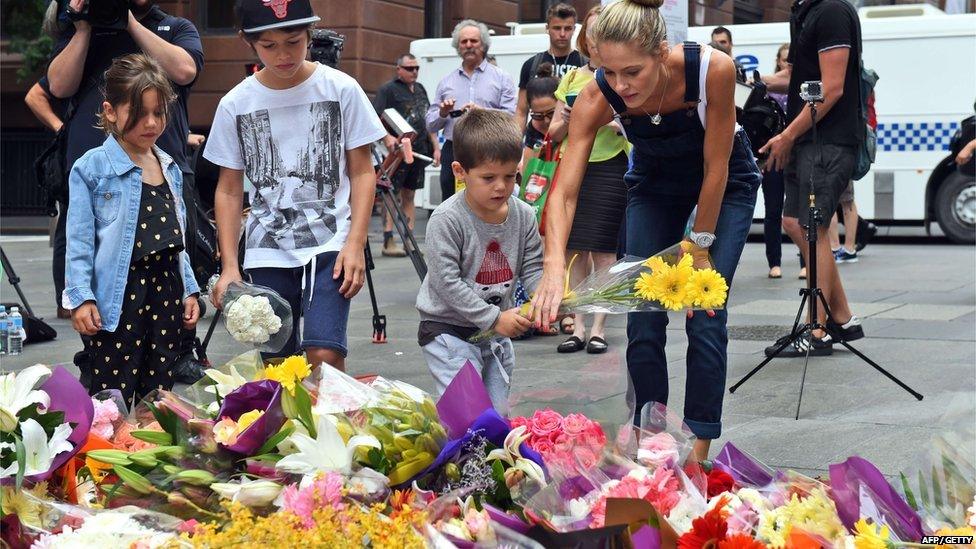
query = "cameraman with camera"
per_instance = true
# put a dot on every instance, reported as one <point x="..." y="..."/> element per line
<point x="101" y="31"/>
<point x="825" y="46"/>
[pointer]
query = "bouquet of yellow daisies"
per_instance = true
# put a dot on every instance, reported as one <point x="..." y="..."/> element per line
<point x="666" y="281"/>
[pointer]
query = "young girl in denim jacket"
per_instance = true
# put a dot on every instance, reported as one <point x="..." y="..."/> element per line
<point x="129" y="284"/>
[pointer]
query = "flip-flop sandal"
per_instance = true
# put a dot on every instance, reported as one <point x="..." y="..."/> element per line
<point x="596" y="346"/>
<point x="567" y="327"/>
<point x="571" y="345"/>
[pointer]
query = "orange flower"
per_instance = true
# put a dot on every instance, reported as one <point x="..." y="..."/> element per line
<point x="740" y="541"/>
<point x="708" y="529"/>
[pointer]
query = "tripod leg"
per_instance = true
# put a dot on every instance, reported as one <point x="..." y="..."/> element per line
<point x="795" y="333"/>
<point x="803" y="380"/>
<point x="403" y="228"/>
<point x="873" y="364"/>
<point x="210" y="330"/>
<point x="379" y="321"/>
<point x="889" y="375"/>
<point x="14" y="280"/>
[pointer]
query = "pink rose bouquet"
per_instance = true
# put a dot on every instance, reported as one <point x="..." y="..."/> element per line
<point x="569" y="443"/>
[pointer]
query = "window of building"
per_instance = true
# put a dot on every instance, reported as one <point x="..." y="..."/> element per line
<point x="216" y="16"/>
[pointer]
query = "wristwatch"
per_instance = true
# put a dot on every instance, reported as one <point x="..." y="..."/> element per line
<point x="702" y="240"/>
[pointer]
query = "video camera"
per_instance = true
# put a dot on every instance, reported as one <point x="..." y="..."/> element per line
<point x="326" y="47"/>
<point x="103" y="14"/>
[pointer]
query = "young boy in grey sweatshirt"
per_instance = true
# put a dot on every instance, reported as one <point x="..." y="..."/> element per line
<point x="480" y="242"/>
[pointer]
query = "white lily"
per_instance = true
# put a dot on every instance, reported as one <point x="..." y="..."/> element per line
<point x="224" y="384"/>
<point x="511" y="455"/>
<point x="253" y="493"/>
<point x="366" y="482"/>
<point x="17" y="392"/>
<point x="40" y="452"/>
<point x="509" y="452"/>
<point x="326" y="452"/>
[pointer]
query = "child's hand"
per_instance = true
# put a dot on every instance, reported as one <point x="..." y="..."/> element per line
<point x="511" y="323"/>
<point x="351" y="266"/>
<point x="191" y="312"/>
<point x="86" y="320"/>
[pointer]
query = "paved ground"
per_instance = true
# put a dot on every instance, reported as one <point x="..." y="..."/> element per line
<point x="918" y="301"/>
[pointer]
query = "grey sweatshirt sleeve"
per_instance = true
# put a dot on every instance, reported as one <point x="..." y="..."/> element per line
<point x="444" y="244"/>
<point x="532" y="258"/>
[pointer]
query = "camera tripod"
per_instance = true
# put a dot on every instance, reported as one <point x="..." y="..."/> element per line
<point x="813" y="296"/>
<point x="384" y="189"/>
<point x="14" y="280"/>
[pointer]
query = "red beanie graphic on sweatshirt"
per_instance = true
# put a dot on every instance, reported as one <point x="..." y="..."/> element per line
<point x="494" y="267"/>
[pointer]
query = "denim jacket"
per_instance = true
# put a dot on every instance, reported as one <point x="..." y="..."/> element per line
<point x="105" y="190"/>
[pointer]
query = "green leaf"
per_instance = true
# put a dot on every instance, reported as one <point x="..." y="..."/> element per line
<point x="21" y="453"/>
<point x="501" y="491"/>
<point x="303" y="404"/>
<point x="287" y="429"/>
<point x="909" y="495"/>
<point x="378" y="461"/>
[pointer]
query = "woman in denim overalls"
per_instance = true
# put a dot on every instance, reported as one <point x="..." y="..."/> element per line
<point x="676" y="107"/>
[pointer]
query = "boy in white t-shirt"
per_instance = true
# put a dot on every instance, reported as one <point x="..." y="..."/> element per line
<point x="301" y="133"/>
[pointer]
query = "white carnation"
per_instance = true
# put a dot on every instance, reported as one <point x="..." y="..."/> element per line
<point x="251" y="319"/>
<point x="106" y="529"/>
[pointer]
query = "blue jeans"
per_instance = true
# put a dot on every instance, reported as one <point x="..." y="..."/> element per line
<point x="325" y="310"/>
<point x="656" y="220"/>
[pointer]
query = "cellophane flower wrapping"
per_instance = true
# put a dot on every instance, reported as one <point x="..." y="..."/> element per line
<point x="402" y="417"/>
<point x="940" y="483"/>
<point x="456" y="519"/>
<point x="666" y="281"/>
<point x="257" y="316"/>
<point x="664" y="439"/>
<point x="581" y="386"/>
<point x="264" y="396"/>
<point x="219" y="381"/>
<point x="54" y="524"/>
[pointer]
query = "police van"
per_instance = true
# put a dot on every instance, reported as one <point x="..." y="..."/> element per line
<point x="927" y="87"/>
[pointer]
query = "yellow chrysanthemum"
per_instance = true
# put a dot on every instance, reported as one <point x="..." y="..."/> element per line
<point x="247" y="419"/>
<point x="292" y="370"/>
<point x="870" y="536"/>
<point x="706" y="289"/>
<point x="655" y="263"/>
<point x="669" y="286"/>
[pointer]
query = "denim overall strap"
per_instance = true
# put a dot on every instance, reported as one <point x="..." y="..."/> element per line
<point x="615" y="101"/>
<point x="692" y="68"/>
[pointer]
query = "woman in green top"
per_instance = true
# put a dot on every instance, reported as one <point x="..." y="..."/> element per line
<point x="603" y="196"/>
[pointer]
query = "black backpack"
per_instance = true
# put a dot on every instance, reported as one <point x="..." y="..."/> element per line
<point x="761" y="116"/>
<point x="201" y="236"/>
<point x="50" y="173"/>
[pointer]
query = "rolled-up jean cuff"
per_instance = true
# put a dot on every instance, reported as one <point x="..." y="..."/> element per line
<point x="704" y="430"/>
<point x="323" y="344"/>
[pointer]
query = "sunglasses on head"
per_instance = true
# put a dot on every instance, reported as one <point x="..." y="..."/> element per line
<point x="542" y="115"/>
<point x="411" y="69"/>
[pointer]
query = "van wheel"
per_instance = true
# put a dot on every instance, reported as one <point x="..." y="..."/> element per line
<point x="955" y="208"/>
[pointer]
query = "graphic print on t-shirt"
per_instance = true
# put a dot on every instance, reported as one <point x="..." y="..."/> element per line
<point x="494" y="278"/>
<point x="291" y="156"/>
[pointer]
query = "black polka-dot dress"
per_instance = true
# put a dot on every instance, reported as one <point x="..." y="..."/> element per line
<point x="138" y="356"/>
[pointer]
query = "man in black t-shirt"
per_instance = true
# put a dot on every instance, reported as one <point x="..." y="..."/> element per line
<point x="83" y="54"/>
<point x="409" y="98"/>
<point x="825" y="45"/>
<point x="560" y="24"/>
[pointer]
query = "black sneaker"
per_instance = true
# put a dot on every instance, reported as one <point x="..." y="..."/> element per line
<point x="865" y="232"/>
<point x="851" y="331"/>
<point x="821" y="347"/>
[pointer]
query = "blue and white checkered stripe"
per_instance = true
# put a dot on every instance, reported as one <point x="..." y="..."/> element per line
<point x="916" y="136"/>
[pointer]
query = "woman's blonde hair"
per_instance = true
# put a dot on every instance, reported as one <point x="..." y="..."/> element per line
<point x="587" y="31"/>
<point x="637" y="22"/>
<point x="125" y="82"/>
<point x="779" y="52"/>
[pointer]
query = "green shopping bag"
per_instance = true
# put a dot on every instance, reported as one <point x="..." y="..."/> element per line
<point x="539" y="178"/>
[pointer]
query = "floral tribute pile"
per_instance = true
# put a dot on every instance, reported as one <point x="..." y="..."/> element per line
<point x="287" y="455"/>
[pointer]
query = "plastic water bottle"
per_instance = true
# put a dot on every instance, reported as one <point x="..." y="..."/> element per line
<point x="15" y="334"/>
<point x="3" y="330"/>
